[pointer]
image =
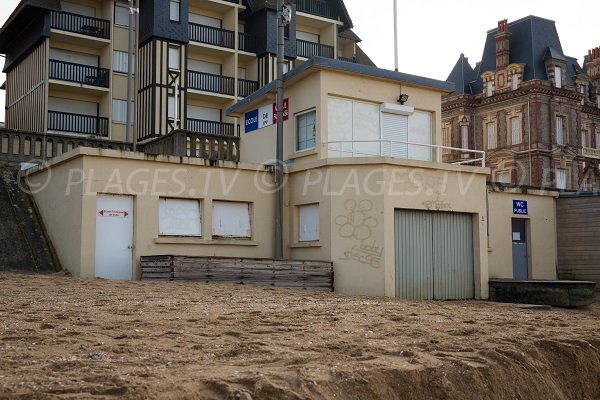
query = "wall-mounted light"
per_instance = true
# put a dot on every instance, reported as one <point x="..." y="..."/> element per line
<point x="403" y="98"/>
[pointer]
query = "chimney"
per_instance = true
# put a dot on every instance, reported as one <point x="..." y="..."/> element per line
<point x="502" y="45"/>
<point x="592" y="63"/>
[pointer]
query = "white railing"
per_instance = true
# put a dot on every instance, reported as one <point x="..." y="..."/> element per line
<point x="398" y="149"/>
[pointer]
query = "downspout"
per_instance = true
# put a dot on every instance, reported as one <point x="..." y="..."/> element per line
<point x="529" y="137"/>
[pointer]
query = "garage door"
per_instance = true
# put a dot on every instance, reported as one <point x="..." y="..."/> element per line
<point x="434" y="255"/>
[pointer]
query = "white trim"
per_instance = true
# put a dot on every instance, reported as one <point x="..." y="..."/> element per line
<point x="392" y="108"/>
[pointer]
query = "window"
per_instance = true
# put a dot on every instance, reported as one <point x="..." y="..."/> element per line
<point x="175" y="10"/>
<point x="491" y="135"/>
<point x="179" y="217"/>
<point x="122" y="15"/>
<point x="598" y="140"/>
<point x="447" y="137"/>
<point x="560" y="130"/>
<point x="174" y="58"/>
<point x="514" y="82"/>
<point x="561" y="178"/>
<point x="306" y="130"/>
<point x="584" y="139"/>
<point x="171" y="107"/>
<point x="515" y="130"/>
<point x="231" y="220"/>
<point x="121" y="61"/>
<point x="119" y="111"/>
<point x="464" y="137"/>
<point x="489" y="88"/>
<point x="598" y="101"/>
<point x="558" y="77"/>
<point x="308" y="223"/>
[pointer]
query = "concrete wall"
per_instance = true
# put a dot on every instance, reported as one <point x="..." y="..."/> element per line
<point x="541" y="232"/>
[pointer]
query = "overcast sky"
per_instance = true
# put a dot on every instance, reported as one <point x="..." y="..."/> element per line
<point x="433" y="33"/>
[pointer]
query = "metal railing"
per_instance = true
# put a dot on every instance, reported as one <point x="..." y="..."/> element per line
<point x="211" y="82"/>
<point x="81" y="24"/>
<point x="246" y="87"/>
<point x="308" y="49"/>
<point x="321" y="8"/>
<point x="18" y="146"/>
<point x="397" y="149"/>
<point x="211" y="127"/>
<point x="352" y="60"/>
<point x="79" y="73"/>
<point x="211" y="35"/>
<point x="77" y="123"/>
<point x="246" y="42"/>
<point x="184" y="143"/>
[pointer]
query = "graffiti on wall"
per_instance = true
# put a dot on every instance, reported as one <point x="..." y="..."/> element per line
<point x="357" y="224"/>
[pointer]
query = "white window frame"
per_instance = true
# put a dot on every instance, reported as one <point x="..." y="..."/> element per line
<point x="598" y="140"/>
<point x="560" y="122"/>
<point x="492" y="136"/>
<point x="121" y="61"/>
<point x="516" y="136"/>
<point x="514" y="83"/>
<point x="297" y="120"/>
<point x="231" y="220"/>
<point x="125" y="8"/>
<point x="585" y="142"/>
<point x="174" y="58"/>
<point x="489" y="89"/>
<point x="308" y="223"/>
<point x="171" y="108"/>
<point x="179" y="217"/>
<point x="561" y="178"/>
<point x="175" y="10"/>
<point x="119" y="111"/>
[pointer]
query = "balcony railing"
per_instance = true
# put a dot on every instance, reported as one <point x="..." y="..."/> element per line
<point x="184" y="143"/>
<point x="77" y="123"/>
<point x="81" y="24"/>
<point x="18" y="146"/>
<point x="79" y="73"/>
<point x="246" y="42"/>
<point x="321" y="8"/>
<point x="210" y="82"/>
<point x="211" y="127"/>
<point x="246" y="87"/>
<point x="590" y="152"/>
<point x="352" y="60"/>
<point x="311" y="49"/>
<point x="210" y="35"/>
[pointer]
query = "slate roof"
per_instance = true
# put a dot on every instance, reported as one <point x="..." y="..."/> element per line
<point x="462" y="74"/>
<point x="532" y="41"/>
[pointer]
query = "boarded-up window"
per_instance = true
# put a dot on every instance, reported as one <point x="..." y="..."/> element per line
<point x="503" y="177"/>
<point x="558" y="77"/>
<point x="308" y="223"/>
<point x="515" y="130"/>
<point x="560" y="130"/>
<point x="121" y="61"/>
<point x="231" y="220"/>
<point x="514" y="82"/>
<point x="464" y="136"/>
<point x="561" y="178"/>
<point x="491" y="135"/>
<point x="356" y="126"/>
<point x="179" y="217"/>
<point x="598" y="140"/>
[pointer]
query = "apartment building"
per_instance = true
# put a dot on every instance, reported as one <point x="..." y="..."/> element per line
<point x="532" y="108"/>
<point x="67" y="61"/>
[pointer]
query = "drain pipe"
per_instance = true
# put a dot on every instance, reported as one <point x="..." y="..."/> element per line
<point x="529" y="136"/>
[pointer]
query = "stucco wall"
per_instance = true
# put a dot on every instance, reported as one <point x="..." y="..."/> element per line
<point x="541" y="233"/>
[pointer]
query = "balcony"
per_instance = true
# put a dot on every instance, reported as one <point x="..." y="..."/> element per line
<point x="81" y="24"/>
<point x="246" y="42"/>
<point x="183" y="143"/>
<point x="211" y="83"/>
<point x="320" y="8"/>
<point x="211" y="127"/>
<point x="590" y="152"/>
<point x="77" y="123"/>
<point x="308" y="49"/>
<point x="213" y="36"/>
<point x="79" y="73"/>
<point x="246" y="87"/>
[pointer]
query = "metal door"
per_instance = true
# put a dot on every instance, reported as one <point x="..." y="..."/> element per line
<point x="519" y="249"/>
<point x="114" y="237"/>
<point x="434" y="255"/>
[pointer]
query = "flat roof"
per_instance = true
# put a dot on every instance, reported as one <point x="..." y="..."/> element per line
<point x="322" y="63"/>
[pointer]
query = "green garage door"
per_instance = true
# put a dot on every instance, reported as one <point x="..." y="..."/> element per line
<point x="434" y="255"/>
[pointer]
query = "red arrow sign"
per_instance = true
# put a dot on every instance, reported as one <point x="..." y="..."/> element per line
<point x="113" y="214"/>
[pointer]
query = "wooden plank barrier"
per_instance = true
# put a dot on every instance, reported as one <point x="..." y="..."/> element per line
<point x="310" y="275"/>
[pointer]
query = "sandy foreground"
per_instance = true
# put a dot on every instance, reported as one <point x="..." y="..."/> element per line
<point x="74" y="338"/>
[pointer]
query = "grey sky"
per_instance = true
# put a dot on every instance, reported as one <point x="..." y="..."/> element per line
<point x="433" y="33"/>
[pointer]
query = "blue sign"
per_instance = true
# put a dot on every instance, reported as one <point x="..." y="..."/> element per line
<point x="520" y="207"/>
<point x="251" y="121"/>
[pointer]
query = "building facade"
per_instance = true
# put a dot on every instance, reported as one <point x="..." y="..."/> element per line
<point x="533" y="109"/>
<point x="67" y="61"/>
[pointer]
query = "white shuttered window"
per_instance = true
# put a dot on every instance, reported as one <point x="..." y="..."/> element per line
<point x="231" y="220"/>
<point x="561" y="178"/>
<point x="179" y="217"/>
<point x="515" y="130"/>
<point x="121" y="61"/>
<point x="560" y="130"/>
<point x="491" y="135"/>
<point x="308" y="223"/>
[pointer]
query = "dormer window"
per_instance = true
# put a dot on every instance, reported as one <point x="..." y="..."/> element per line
<point x="514" y="82"/>
<point x="558" y="77"/>
<point x="489" y="89"/>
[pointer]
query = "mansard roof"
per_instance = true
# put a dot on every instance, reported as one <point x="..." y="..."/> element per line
<point x="462" y="75"/>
